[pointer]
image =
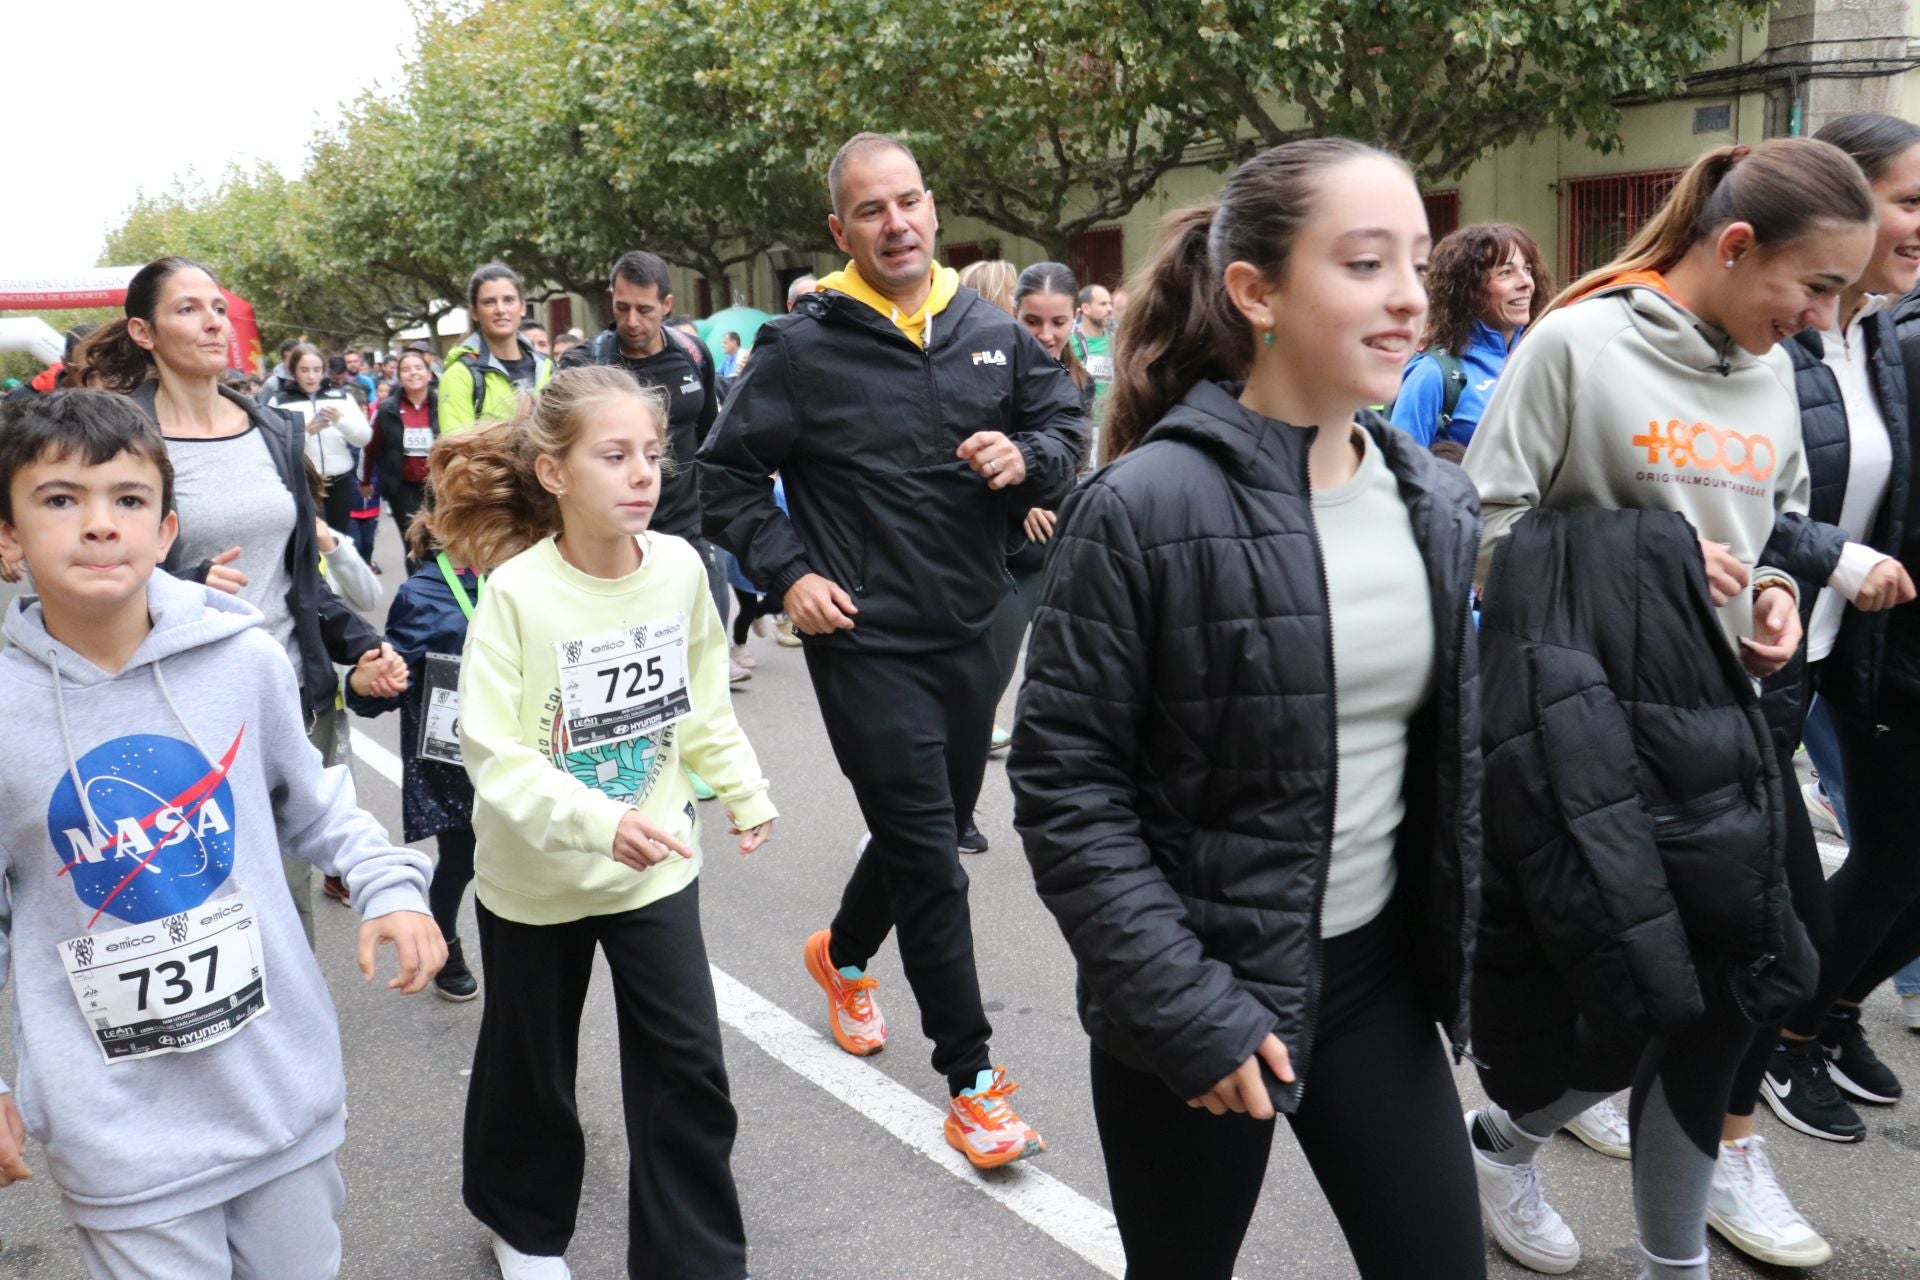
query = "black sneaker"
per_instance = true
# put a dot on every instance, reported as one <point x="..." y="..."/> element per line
<point x="971" y="841"/>
<point x="1852" y="1062"/>
<point x="1801" y="1093"/>
<point x="455" y="981"/>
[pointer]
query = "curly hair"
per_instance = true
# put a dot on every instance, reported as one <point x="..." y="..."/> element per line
<point x="485" y="500"/>
<point x="1457" y="278"/>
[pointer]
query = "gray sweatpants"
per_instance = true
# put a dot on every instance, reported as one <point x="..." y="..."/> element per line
<point x="285" y="1230"/>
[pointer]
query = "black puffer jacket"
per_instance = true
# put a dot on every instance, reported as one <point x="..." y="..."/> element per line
<point x="1634" y="812"/>
<point x="1900" y="657"/>
<point x="863" y="427"/>
<point x="1809" y="546"/>
<point x="1173" y="763"/>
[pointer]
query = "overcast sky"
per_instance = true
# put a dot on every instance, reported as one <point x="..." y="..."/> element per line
<point x="111" y="97"/>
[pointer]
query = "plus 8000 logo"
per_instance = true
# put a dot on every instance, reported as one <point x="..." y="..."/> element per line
<point x="160" y="839"/>
<point x="1704" y="447"/>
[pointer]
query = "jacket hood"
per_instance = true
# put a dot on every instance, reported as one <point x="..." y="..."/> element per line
<point x="1668" y="327"/>
<point x="849" y="283"/>
<point x="476" y="346"/>
<point x="185" y="616"/>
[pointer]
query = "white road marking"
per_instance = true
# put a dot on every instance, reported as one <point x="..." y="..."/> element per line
<point x="1044" y="1201"/>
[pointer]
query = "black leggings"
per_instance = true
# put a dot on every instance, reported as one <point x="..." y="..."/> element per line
<point x="748" y="608"/>
<point x="1379" y="1124"/>
<point x="451" y="876"/>
<point x="1876" y="929"/>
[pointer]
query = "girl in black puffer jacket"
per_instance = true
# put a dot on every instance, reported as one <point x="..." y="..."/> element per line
<point x="1245" y="765"/>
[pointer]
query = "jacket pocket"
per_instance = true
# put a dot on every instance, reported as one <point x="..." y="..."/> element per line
<point x="1671" y="821"/>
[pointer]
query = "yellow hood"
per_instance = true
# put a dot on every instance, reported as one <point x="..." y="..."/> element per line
<point x="946" y="283"/>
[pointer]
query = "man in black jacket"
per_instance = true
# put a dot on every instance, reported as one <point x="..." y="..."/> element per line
<point x="640" y="342"/>
<point x="906" y="417"/>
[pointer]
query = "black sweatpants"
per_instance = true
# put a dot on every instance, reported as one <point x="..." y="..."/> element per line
<point x="525" y="1154"/>
<point x="451" y="876"/>
<point x="403" y="502"/>
<point x="1808" y="881"/>
<point x="910" y="731"/>
<point x="1379" y="1123"/>
<point x="338" y="506"/>
<point x="746" y="608"/>
<point x="1874" y="894"/>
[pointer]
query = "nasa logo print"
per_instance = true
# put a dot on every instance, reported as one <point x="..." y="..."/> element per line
<point x="161" y="838"/>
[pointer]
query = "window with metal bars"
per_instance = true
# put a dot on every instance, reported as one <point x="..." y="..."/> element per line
<point x="1443" y="213"/>
<point x="1598" y="216"/>
<point x="964" y="253"/>
<point x="1098" y="256"/>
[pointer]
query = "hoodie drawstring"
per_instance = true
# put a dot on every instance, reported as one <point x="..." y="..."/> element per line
<point x="97" y="831"/>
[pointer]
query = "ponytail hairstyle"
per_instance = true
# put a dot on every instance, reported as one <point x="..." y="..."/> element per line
<point x="493" y="271"/>
<point x="1054" y="279"/>
<point x="488" y="504"/>
<point x="1181" y="328"/>
<point x="1784" y="189"/>
<point x="1873" y="140"/>
<point x="109" y="357"/>
<point x="992" y="279"/>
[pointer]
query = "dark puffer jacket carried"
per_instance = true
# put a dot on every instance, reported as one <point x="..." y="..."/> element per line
<point x="1808" y="546"/>
<point x="1636" y="834"/>
<point x="1174" y="761"/>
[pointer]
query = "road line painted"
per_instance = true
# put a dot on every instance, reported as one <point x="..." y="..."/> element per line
<point x="1042" y="1200"/>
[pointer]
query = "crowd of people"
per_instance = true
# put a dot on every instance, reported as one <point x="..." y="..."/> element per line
<point x="1417" y="660"/>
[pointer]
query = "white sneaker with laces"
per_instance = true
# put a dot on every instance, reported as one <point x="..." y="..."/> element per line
<point x="1748" y="1208"/>
<point x="515" y="1265"/>
<point x="742" y="655"/>
<point x="1517" y="1213"/>
<point x="1603" y="1126"/>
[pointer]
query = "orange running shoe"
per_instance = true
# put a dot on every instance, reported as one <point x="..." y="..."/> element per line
<point x="854" y="1014"/>
<point x="981" y="1126"/>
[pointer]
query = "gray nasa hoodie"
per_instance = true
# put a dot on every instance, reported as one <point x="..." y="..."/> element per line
<point x="150" y="797"/>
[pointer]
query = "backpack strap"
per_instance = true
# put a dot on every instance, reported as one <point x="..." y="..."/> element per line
<point x="1453" y="380"/>
<point x="695" y="350"/>
<point x="479" y="374"/>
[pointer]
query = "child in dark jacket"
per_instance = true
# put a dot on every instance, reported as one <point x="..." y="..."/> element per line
<point x="427" y="627"/>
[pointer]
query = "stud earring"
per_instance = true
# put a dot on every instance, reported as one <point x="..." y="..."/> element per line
<point x="1729" y="264"/>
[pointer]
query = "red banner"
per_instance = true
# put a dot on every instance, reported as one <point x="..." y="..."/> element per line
<point x="107" y="287"/>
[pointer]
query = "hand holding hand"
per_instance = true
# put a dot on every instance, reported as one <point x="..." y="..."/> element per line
<point x="1776" y="633"/>
<point x="994" y="456"/>
<point x="1244" y="1091"/>
<point x="1038" y="525"/>
<point x="380" y="673"/>
<point x="223" y="576"/>
<point x="639" y="844"/>
<point x="13" y="1143"/>
<point x="817" y="606"/>
<point x="417" y="941"/>
<point x="753" y="837"/>
<point x="1887" y="585"/>
<point x="1726" y="576"/>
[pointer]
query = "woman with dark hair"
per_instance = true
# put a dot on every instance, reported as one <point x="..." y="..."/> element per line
<point x="1485" y="284"/>
<point x="1854" y="398"/>
<point x="1264" y="591"/>
<point x="333" y="423"/>
<point x="241" y="487"/>
<point x="1639" y="918"/>
<point x="488" y="369"/>
<point x="404" y="429"/>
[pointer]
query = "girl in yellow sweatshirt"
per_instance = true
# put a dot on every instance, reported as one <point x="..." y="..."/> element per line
<point x="594" y="676"/>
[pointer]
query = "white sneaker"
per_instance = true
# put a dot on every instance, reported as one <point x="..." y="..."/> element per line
<point x="1748" y="1207"/>
<point x="1519" y="1216"/>
<point x="742" y="655"/>
<point x="736" y="673"/>
<point x="515" y="1265"/>
<point x="1820" y="810"/>
<point x="1910" y="1011"/>
<point x="1603" y="1126"/>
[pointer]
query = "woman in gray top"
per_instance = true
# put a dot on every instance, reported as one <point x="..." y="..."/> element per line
<point x="246" y="509"/>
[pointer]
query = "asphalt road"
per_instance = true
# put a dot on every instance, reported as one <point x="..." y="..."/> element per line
<point x="829" y="1191"/>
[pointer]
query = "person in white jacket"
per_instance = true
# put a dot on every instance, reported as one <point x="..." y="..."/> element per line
<point x="335" y="425"/>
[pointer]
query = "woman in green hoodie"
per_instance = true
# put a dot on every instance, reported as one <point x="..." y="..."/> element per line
<point x="495" y="353"/>
<point x="1656" y="383"/>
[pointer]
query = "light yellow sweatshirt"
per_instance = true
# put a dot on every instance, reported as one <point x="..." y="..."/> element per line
<point x="544" y="815"/>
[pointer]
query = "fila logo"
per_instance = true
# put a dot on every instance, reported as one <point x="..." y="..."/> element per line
<point x="990" y="357"/>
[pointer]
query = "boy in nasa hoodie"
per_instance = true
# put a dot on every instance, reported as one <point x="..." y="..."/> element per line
<point x="179" y="1057"/>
